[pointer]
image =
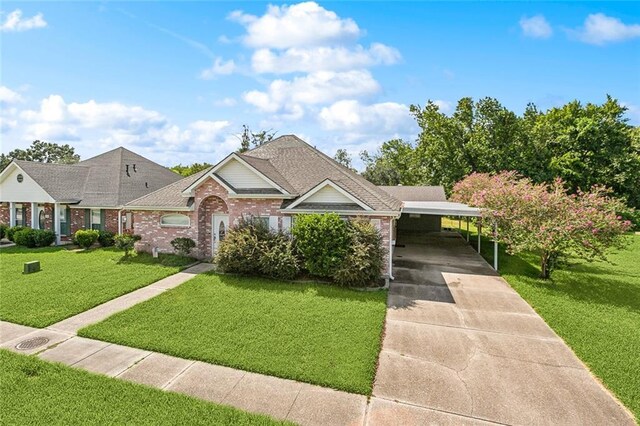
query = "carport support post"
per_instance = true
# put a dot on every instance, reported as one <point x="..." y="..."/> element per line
<point x="467" y="228"/>
<point x="479" y="235"/>
<point x="495" y="246"/>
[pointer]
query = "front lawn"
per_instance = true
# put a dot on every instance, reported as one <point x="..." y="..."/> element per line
<point x="33" y="391"/>
<point x="71" y="282"/>
<point x="594" y="307"/>
<point x="314" y="333"/>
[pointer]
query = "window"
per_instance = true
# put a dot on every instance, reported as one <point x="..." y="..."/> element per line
<point x="96" y="219"/>
<point x="175" y="220"/>
<point x="264" y="220"/>
<point x="19" y="215"/>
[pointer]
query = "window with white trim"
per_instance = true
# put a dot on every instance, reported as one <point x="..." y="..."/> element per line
<point x="20" y="219"/>
<point x="175" y="219"/>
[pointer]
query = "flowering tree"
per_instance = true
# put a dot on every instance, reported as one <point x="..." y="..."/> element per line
<point x="544" y="218"/>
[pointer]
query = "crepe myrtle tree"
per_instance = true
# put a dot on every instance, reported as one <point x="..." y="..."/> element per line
<point x="544" y="218"/>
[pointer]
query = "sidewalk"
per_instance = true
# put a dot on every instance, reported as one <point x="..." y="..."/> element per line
<point x="101" y="312"/>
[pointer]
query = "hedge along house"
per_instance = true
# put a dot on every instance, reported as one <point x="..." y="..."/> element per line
<point x="273" y="182"/>
<point x="88" y="194"/>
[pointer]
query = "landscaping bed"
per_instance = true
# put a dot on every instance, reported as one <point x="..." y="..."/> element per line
<point x="311" y="332"/>
<point x="72" y="281"/>
<point x="33" y="391"/>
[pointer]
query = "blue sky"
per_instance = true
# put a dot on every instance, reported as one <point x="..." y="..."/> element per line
<point x="176" y="81"/>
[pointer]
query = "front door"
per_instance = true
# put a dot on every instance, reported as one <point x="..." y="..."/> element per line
<point x="219" y="228"/>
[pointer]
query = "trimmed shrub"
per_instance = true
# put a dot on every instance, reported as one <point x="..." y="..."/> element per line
<point x="44" y="237"/>
<point x="10" y="232"/>
<point x="278" y="258"/>
<point x="3" y="230"/>
<point x="126" y="242"/>
<point x="365" y="257"/>
<point x="105" y="238"/>
<point x="183" y="245"/>
<point x="85" y="238"/>
<point x="323" y="241"/>
<point x="240" y="251"/>
<point x="28" y="237"/>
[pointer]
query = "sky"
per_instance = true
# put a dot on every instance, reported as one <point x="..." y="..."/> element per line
<point x="175" y="82"/>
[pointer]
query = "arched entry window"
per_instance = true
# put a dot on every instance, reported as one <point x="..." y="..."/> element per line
<point x="222" y="231"/>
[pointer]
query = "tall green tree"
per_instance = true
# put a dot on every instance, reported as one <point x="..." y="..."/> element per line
<point x="250" y="139"/>
<point x="41" y="151"/>
<point x="344" y="158"/>
<point x="393" y="164"/>
<point x="190" y="169"/>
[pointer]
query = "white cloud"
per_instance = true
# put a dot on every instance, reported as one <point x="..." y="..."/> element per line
<point x="8" y="96"/>
<point x="303" y="24"/>
<point x="219" y="67"/>
<point x="322" y="58"/>
<point x="14" y="22"/>
<point x="633" y="113"/>
<point x="536" y="27"/>
<point x="352" y="116"/>
<point x="320" y="87"/>
<point x="112" y="124"/>
<point x="600" y="29"/>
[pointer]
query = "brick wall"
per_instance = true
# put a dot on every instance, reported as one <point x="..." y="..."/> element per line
<point x="77" y="220"/>
<point x="111" y="220"/>
<point x="48" y="216"/>
<point x="4" y="213"/>
<point x="147" y="225"/>
<point x="207" y="207"/>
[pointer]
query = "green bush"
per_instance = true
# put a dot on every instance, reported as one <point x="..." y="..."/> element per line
<point x="278" y="258"/>
<point x="364" y="260"/>
<point x="10" y="232"/>
<point x="126" y="242"/>
<point x="183" y="245"/>
<point x="28" y="237"/>
<point x="85" y="238"/>
<point x="240" y="251"/>
<point x="105" y="238"/>
<point x="323" y="240"/>
<point x="3" y="230"/>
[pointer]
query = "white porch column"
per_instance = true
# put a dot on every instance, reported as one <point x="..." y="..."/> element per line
<point x="56" y="222"/>
<point x="35" y="223"/>
<point x="119" y="221"/>
<point x="495" y="247"/>
<point x="12" y="214"/>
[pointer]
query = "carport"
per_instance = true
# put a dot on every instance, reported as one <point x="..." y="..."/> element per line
<point x="438" y="209"/>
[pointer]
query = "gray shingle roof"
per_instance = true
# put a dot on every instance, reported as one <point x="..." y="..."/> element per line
<point x="295" y="166"/>
<point x="416" y="193"/>
<point x="171" y="195"/>
<point x="101" y="181"/>
<point x="304" y="167"/>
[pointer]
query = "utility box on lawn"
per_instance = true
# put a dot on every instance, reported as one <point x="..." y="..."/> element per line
<point x="31" y="267"/>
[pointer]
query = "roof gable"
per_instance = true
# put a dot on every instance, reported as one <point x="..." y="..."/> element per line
<point x="328" y="193"/>
<point x="27" y="189"/>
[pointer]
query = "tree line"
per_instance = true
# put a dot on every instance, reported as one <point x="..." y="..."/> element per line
<point x="583" y="144"/>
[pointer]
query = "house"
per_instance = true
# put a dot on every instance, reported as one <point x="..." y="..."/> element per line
<point x="122" y="191"/>
<point x="88" y="194"/>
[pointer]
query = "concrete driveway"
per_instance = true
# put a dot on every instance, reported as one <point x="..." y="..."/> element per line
<point x="461" y="346"/>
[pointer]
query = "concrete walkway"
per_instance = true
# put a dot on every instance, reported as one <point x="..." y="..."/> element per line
<point x="101" y="312"/>
<point x="298" y="402"/>
<point x="461" y="346"/>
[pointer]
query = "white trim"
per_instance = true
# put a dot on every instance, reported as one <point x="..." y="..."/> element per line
<point x="394" y="214"/>
<point x="440" y="208"/>
<point x="322" y="185"/>
<point x="211" y="173"/>
<point x="8" y="170"/>
<point x="265" y="196"/>
<point x="169" y="225"/>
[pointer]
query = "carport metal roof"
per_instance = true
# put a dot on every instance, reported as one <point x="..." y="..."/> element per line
<point x="442" y="208"/>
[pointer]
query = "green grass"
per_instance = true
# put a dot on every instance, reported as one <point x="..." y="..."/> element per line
<point x="593" y="306"/>
<point x="308" y="332"/>
<point x="38" y="392"/>
<point x="71" y="282"/>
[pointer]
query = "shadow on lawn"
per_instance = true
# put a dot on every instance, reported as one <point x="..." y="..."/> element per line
<point x="590" y="282"/>
<point x="259" y="284"/>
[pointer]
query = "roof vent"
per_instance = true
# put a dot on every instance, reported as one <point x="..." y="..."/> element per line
<point x="134" y="169"/>
<point x="127" y="170"/>
<point x="146" y="184"/>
